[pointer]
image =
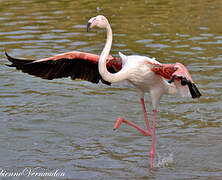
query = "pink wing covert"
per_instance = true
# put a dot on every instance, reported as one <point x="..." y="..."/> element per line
<point x="178" y="72"/>
<point x="181" y="71"/>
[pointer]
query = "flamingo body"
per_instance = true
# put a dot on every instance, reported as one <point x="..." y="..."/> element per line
<point x="146" y="74"/>
<point x="141" y="75"/>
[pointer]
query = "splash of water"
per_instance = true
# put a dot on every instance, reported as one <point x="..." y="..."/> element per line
<point x="163" y="160"/>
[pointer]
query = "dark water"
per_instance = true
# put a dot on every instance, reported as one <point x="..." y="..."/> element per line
<point x="67" y="125"/>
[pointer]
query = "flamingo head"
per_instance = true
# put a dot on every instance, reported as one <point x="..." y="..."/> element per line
<point x="99" y="21"/>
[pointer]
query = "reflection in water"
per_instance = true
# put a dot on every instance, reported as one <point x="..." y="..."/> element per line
<point x="67" y="124"/>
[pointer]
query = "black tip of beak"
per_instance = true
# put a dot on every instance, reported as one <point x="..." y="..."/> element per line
<point x="88" y="27"/>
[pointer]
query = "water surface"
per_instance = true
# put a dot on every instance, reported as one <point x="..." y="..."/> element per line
<point x="67" y="125"/>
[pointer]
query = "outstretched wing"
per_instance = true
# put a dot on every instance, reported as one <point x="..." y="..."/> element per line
<point x="177" y="72"/>
<point x="77" y="65"/>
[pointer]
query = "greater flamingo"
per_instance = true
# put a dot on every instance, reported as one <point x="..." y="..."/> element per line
<point x="146" y="74"/>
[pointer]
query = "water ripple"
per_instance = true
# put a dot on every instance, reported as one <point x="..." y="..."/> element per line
<point x="67" y="125"/>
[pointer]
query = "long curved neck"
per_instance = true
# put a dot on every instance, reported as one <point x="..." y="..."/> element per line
<point x="106" y="75"/>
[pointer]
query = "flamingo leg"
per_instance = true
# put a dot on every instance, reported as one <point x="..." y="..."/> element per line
<point x="153" y="140"/>
<point x="145" y="115"/>
<point x="120" y="120"/>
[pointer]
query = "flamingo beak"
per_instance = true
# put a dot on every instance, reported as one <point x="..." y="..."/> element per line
<point x="88" y="26"/>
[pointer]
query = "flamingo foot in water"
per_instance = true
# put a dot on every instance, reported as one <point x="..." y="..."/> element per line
<point x="151" y="158"/>
<point x="120" y="120"/>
